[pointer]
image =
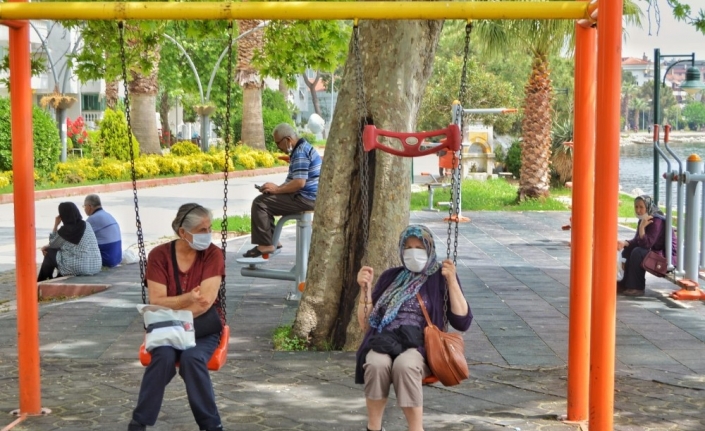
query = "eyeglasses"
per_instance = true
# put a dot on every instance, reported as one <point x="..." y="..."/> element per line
<point x="281" y="140"/>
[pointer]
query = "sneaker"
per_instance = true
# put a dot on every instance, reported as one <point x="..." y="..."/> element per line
<point x="633" y="292"/>
<point x="136" y="426"/>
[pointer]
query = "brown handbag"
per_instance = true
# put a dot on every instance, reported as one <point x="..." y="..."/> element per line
<point x="445" y="352"/>
<point x="655" y="264"/>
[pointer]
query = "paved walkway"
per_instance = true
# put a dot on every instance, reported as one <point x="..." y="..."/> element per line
<point x="514" y="270"/>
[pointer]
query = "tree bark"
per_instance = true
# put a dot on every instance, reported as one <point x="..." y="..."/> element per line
<point x="111" y="94"/>
<point x="312" y="89"/>
<point x="393" y="92"/>
<point x="534" y="176"/>
<point x="284" y="89"/>
<point x="143" y="99"/>
<point x="164" y="107"/>
<point x="249" y="79"/>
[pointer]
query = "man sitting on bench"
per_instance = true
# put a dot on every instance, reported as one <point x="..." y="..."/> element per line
<point x="297" y="194"/>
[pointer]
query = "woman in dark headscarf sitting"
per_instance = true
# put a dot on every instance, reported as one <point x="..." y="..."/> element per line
<point x="392" y="351"/>
<point x="650" y="236"/>
<point x="73" y="248"/>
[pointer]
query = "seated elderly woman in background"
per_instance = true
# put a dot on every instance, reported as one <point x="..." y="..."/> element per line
<point x="184" y="274"/>
<point x="73" y="248"/>
<point x="392" y="316"/>
<point x="650" y="236"/>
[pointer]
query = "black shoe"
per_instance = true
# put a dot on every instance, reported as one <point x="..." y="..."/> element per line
<point x="218" y="428"/>
<point x="136" y="426"/>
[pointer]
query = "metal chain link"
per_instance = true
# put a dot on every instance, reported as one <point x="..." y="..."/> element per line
<point x="455" y="182"/>
<point x="363" y="156"/>
<point x="138" y="222"/>
<point x="226" y="167"/>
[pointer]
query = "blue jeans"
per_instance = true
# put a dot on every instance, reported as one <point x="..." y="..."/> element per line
<point x="193" y="368"/>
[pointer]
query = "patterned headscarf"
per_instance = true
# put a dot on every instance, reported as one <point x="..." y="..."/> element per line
<point x="651" y="207"/>
<point x="407" y="284"/>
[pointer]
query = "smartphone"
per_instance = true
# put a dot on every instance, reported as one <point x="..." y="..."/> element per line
<point x="258" y="187"/>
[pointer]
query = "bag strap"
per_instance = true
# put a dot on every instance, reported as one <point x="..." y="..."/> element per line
<point x="175" y="264"/>
<point x="423" y="308"/>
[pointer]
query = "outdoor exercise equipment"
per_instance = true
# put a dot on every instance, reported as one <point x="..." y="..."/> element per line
<point x="220" y="354"/>
<point x="297" y="273"/>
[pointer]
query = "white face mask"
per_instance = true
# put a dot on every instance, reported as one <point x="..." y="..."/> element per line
<point x="201" y="241"/>
<point x="415" y="259"/>
<point x="642" y="216"/>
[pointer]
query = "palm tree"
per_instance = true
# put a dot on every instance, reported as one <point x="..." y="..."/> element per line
<point x="638" y="105"/>
<point x="249" y="79"/>
<point x="540" y="39"/>
<point x="629" y="90"/>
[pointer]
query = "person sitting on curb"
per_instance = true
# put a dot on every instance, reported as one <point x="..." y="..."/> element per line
<point x="72" y="249"/>
<point x="296" y="195"/>
<point x="392" y="351"/>
<point x="107" y="231"/>
<point x="650" y="236"/>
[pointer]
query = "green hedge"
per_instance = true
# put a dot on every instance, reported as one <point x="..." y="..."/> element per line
<point x="47" y="143"/>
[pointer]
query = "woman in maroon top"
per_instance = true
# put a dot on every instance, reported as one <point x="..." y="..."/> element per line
<point x="650" y="236"/>
<point x="200" y="266"/>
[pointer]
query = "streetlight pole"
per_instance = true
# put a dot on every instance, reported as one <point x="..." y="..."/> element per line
<point x="692" y="84"/>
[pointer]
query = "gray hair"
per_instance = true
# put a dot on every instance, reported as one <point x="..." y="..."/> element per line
<point x="92" y="200"/>
<point x="189" y="216"/>
<point x="283" y="130"/>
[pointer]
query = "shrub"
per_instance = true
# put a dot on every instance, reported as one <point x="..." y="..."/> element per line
<point x="114" y="170"/>
<point x="310" y="137"/>
<point x="146" y="167"/>
<point x="263" y="159"/>
<point x="185" y="148"/>
<point x="5" y="179"/>
<point x="513" y="158"/>
<point x="113" y="136"/>
<point x="245" y="161"/>
<point x="168" y="165"/>
<point x="47" y="144"/>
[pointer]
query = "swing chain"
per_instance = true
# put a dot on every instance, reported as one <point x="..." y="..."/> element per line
<point x="138" y="221"/>
<point x="455" y="181"/>
<point x="363" y="156"/>
<point x="226" y="166"/>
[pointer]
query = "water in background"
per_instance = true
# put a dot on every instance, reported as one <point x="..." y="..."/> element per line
<point x="636" y="166"/>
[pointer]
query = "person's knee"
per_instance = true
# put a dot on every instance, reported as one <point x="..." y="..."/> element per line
<point x="164" y="357"/>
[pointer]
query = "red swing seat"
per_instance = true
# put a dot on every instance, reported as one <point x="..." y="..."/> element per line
<point x="218" y="359"/>
<point x="429" y="380"/>
<point x="412" y="142"/>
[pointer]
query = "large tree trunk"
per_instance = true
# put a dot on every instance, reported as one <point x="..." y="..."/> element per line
<point x="534" y="176"/>
<point x="143" y="99"/>
<point x="284" y="89"/>
<point x="249" y="79"/>
<point x="394" y="89"/>
<point x="314" y="96"/>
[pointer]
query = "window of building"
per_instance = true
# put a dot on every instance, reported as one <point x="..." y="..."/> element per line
<point x="92" y="102"/>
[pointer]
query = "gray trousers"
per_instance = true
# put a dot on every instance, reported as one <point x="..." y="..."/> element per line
<point x="406" y="373"/>
<point x="266" y="206"/>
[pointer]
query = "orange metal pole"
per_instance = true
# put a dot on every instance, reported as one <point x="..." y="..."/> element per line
<point x="581" y="222"/>
<point x="602" y="334"/>
<point x="25" y="239"/>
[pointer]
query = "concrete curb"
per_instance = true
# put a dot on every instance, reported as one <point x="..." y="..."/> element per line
<point x="142" y="184"/>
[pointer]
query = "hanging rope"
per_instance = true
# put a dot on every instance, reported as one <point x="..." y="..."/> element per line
<point x="140" y="237"/>
<point x="362" y="154"/>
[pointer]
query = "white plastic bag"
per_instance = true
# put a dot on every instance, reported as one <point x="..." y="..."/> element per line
<point x="167" y="327"/>
<point x="620" y="263"/>
<point x="129" y="256"/>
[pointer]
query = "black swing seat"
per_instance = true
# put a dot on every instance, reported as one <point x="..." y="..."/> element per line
<point x="218" y="359"/>
<point x="413" y="144"/>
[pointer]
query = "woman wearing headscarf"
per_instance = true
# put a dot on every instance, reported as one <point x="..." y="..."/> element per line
<point x="650" y="236"/>
<point x="73" y="248"/>
<point x="392" y="351"/>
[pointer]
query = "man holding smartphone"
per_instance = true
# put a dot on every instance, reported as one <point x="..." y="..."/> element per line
<point x="297" y="194"/>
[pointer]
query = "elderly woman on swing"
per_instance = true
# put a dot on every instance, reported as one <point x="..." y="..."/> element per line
<point x="650" y="236"/>
<point x="392" y="351"/>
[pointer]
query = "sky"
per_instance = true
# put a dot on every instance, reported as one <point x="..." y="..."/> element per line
<point x="673" y="37"/>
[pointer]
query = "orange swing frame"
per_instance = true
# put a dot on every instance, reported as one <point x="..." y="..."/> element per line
<point x="217" y="360"/>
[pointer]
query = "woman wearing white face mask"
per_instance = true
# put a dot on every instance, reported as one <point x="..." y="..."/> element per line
<point x="185" y="274"/>
<point x="650" y="236"/>
<point x="392" y="351"/>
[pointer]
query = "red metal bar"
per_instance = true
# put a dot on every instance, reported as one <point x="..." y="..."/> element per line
<point x="411" y="142"/>
<point x="25" y="239"/>
<point x="602" y="333"/>
<point x="581" y="222"/>
<point x="12" y="23"/>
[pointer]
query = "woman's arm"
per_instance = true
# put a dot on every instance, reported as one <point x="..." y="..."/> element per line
<point x="649" y="232"/>
<point x="458" y="304"/>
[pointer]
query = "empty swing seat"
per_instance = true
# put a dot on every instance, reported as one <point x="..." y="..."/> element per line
<point x="412" y="142"/>
<point x="218" y="358"/>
